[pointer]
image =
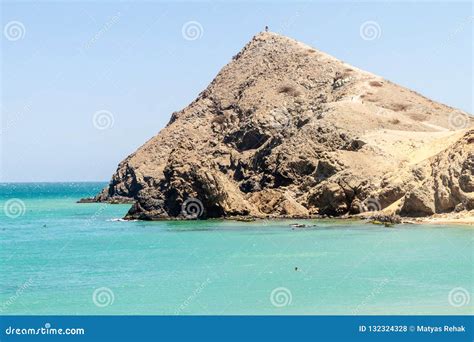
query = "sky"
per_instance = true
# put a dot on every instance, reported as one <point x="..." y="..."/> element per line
<point x="84" y="84"/>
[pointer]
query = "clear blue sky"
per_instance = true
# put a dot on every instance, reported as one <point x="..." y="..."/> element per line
<point x="130" y="58"/>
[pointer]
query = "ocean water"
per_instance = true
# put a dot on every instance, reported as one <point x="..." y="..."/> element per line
<point x="60" y="257"/>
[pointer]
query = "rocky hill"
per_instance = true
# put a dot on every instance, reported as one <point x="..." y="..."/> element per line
<point x="285" y="130"/>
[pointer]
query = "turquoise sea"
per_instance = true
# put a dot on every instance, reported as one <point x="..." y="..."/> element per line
<point x="60" y="257"/>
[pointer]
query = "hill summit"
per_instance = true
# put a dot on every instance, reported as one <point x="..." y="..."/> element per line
<point x="285" y="130"/>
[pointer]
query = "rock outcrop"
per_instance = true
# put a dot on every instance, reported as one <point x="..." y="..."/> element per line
<point x="285" y="130"/>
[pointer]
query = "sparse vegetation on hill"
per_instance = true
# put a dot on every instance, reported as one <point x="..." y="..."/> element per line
<point x="288" y="131"/>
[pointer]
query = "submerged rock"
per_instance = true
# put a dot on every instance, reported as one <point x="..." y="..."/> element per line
<point x="298" y="225"/>
<point x="385" y="219"/>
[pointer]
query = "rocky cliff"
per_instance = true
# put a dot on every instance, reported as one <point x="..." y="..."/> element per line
<point x="285" y="130"/>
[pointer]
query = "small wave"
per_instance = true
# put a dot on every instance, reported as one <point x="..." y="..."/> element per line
<point x="119" y="220"/>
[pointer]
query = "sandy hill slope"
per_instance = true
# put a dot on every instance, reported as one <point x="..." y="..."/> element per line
<point x="285" y="130"/>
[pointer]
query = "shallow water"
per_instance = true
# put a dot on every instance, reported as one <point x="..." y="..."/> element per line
<point x="60" y="257"/>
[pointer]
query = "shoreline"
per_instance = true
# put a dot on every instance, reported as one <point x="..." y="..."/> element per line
<point x="464" y="221"/>
<point x="436" y="221"/>
<point x="377" y="218"/>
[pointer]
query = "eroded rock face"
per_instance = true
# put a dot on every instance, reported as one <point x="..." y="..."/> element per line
<point x="287" y="131"/>
<point x="444" y="182"/>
